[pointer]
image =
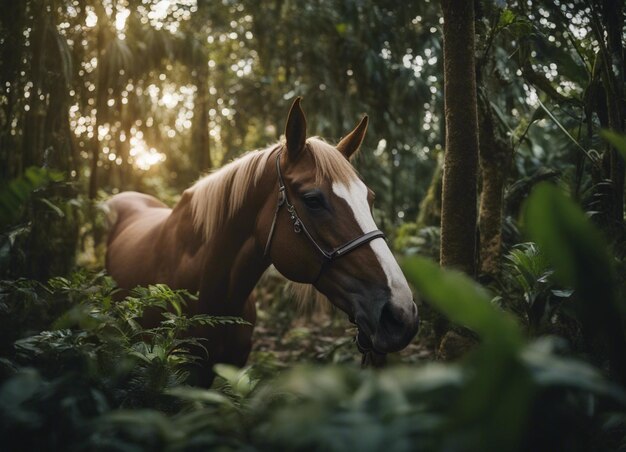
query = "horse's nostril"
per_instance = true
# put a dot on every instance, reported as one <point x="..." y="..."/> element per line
<point x="390" y="317"/>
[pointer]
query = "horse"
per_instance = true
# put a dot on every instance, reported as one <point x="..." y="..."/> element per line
<point x="299" y="205"/>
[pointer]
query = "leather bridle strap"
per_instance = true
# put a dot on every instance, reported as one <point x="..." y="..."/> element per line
<point x="298" y="225"/>
<point x="355" y="243"/>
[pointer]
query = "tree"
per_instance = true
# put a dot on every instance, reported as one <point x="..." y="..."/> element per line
<point x="495" y="153"/>
<point x="611" y="24"/>
<point x="458" y="209"/>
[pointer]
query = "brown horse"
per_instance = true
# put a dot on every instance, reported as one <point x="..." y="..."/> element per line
<point x="299" y="206"/>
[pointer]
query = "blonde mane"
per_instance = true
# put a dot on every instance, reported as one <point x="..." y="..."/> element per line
<point x="218" y="196"/>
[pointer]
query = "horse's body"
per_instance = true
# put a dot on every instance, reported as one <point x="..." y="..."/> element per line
<point x="151" y="243"/>
<point x="227" y="229"/>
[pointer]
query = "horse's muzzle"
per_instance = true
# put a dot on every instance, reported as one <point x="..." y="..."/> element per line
<point x="396" y="328"/>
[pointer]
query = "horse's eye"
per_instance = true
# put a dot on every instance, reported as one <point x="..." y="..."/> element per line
<point x="313" y="201"/>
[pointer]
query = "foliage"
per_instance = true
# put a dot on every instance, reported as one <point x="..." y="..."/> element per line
<point x="410" y="239"/>
<point x="14" y="194"/>
<point x="90" y="350"/>
<point x="581" y="260"/>
<point x="44" y="226"/>
<point x="94" y="387"/>
<point x="530" y="274"/>
<point x="14" y="199"/>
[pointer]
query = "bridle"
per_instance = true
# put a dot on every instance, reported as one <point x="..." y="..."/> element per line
<point x="298" y="227"/>
<point x="369" y="356"/>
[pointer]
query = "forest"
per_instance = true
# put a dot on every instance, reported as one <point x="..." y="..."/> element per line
<point x="495" y="146"/>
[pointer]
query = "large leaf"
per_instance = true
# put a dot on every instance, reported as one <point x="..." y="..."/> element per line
<point x="498" y="394"/>
<point x="572" y="244"/>
<point x="463" y="301"/>
<point x="579" y="255"/>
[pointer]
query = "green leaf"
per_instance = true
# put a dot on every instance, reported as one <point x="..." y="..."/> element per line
<point x="571" y="243"/>
<point x="618" y="140"/>
<point x="238" y="379"/>
<point x="581" y="260"/>
<point x="54" y="208"/>
<point x="199" y="395"/>
<point x="498" y="393"/>
<point x="506" y="18"/>
<point x="565" y="131"/>
<point x="13" y="195"/>
<point x="463" y="301"/>
<point x="551" y="370"/>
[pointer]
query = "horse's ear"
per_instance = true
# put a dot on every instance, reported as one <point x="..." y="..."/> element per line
<point x="295" y="131"/>
<point x="351" y="142"/>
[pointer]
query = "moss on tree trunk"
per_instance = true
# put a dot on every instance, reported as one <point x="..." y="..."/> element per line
<point x="430" y="207"/>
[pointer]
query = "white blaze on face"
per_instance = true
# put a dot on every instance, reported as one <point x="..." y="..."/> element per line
<point x="355" y="195"/>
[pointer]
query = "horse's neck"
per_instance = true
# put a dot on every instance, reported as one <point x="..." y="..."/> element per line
<point x="229" y="265"/>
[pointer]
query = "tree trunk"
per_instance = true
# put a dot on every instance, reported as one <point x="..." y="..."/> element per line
<point x="458" y="209"/>
<point x="612" y="15"/>
<point x="13" y="52"/>
<point x="32" y="145"/>
<point x="495" y="159"/>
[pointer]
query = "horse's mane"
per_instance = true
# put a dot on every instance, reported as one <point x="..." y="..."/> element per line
<point x="218" y="196"/>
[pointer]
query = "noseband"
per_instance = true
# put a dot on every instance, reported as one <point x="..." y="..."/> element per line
<point x="298" y="226"/>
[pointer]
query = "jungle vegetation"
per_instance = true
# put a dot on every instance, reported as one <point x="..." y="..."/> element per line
<point x="523" y="341"/>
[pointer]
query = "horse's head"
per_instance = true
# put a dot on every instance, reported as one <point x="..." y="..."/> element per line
<point x="311" y="238"/>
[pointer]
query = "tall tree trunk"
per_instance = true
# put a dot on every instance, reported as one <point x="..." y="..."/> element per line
<point x="495" y="160"/>
<point x="608" y="22"/>
<point x="612" y="13"/>
<point x="458" y="209"/>
<point x="612" y="16"/>
<point x="13" y="52"/>
<point x="32" y="144"/>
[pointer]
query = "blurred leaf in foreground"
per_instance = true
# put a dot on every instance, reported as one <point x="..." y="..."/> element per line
<point x="493" y="407"/>
<point x="580" y="257"/>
